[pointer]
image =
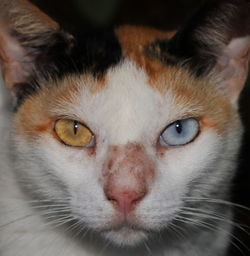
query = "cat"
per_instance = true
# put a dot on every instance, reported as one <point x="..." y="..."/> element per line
<point x="120" y="142"/>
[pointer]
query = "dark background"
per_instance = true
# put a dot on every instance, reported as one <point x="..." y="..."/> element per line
<point x="163" y="14"/>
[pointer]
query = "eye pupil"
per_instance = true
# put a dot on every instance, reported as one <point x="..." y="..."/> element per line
<point x="178" y="127"/>
<point x="75" y="127"/>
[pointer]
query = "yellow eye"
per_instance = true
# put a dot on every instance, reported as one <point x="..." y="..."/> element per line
<point x="73" y="133"/>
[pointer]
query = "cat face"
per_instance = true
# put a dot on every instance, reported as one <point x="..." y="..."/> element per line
<point x="127" y="158"/>
<point x="124" y="135"/>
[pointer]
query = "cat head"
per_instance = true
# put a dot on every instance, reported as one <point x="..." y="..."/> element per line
<point x="121" y="130"/>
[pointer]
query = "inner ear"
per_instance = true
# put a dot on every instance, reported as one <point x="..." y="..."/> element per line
<point x="232" y="66"/>
<point x="17" y="63"/>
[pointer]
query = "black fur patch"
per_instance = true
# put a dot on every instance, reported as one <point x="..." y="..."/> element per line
<point x="92" y="52"/>
<point x="225" y="19"/>
<point x="160" y="50"/>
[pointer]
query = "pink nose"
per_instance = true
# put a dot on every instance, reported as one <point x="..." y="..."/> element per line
<point x="125" y="201"/>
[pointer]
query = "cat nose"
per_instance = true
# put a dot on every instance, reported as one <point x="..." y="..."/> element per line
<point x="126" y="177"/>
<point x="125" y="201"/>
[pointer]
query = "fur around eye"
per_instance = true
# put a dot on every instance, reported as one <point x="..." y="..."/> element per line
<point x="73" y="133"/>
<point x="180" y="132"/>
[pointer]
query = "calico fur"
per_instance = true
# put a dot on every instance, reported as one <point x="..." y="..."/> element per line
<point x="127" y="85"/>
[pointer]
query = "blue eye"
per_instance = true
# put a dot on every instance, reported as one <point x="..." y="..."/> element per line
<point x="180" y="132"/>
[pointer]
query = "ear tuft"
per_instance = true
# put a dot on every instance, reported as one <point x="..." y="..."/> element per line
<point x="27" y="40"/>
<point x="27" y="22"/>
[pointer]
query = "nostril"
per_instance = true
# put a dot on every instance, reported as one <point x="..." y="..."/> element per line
<point x="110" y="198"/>
<point x="139" y="197"/>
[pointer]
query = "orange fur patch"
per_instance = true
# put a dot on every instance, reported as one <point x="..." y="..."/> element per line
<point x="200" y="97"/>
<point x="98" y="84"/>
<point x="36" y="116"/>
<point x="134" y="40"/>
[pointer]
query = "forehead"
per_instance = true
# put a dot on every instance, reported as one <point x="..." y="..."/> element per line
<point x="135" y="98"/>
<point x="122" y="103"/>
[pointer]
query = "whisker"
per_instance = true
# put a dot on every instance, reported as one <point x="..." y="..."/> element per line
<point x="208" y="214"/>
<point x="78" y="228"/>
<point x="107" y="243"/>
<point x="148" y="248"/>
<point x="211" y="227"/>
<point x="57" y="222"/>
<point x="216" y="201"/>
<point x="16" y="220"/>
<point x="178" y="230"/>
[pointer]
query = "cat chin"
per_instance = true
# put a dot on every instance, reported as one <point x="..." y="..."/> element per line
<point x="125" y="236"/>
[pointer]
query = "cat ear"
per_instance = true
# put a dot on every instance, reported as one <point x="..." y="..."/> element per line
<point x="216" y="42"/>
<point x="27" y="39"/>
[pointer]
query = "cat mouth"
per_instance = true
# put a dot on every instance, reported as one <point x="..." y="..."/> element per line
<point x="125" y="235"/>
<point x="126" y="232"/>
<point x="126" y="225"/>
